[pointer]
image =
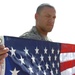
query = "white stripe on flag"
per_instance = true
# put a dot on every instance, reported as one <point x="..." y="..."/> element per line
<point x="67" y="56"/>
<point x="69" y="71"/>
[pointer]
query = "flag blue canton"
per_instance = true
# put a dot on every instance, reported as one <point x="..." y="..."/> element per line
<point x="32" y="57"/>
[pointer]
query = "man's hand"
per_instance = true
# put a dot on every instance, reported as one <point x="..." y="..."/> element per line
<point x="3" y="53"/>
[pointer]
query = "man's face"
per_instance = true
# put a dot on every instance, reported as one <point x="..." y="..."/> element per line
<point x="46" y="18"/>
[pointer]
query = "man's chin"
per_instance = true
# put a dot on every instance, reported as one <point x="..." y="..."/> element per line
<point x="49" y="30"/>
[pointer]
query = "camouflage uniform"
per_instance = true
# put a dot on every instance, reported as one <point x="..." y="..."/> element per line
<point x="34" y="34"/>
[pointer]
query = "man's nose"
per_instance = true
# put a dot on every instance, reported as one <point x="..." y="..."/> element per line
<point x="51" y="20"/>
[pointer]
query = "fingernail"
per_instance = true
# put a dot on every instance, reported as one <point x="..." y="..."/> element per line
<point x="6" y="48"/>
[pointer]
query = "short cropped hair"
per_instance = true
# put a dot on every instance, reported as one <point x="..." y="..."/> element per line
<point x="40" y="7"/>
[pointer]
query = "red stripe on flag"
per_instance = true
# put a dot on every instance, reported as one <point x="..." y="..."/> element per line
<point x="66" y="65"/>
<point x="66" y="48"/>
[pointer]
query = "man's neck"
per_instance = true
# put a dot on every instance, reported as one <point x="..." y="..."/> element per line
<point x="42" y="33"/>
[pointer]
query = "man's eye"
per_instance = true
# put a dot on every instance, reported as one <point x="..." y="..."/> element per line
<point x="48" y="16"/>
<point x="54" y="17"/>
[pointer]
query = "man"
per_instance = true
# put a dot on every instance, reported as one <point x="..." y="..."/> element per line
<point x="45" y="18"/>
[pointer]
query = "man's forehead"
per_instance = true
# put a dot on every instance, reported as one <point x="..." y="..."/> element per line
<point x="48" y="9"/>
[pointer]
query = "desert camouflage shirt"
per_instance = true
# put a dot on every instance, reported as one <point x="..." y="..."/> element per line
<point x="34" y="34"/>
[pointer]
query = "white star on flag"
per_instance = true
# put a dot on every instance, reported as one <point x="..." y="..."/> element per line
<point x="14" y="72"/>
<point x="58" y="51"/>
<point x="44" y="72"/>
<point x="37" y="74"/>
<point x="56" y="71"/>
<point x="37" y="50"/>
<point x="55" y="57"/>
<point x="12" y="51"/>
<point x="49" y="58"/>
<point x="47" y="66"/>
<point x="52" y="51"/>
<point x="51" y="72"/>
<point x="22" y="60"/>
<point x="33" y="59"/>
<point x="31" y="70"/>
<point x="45" y="50"/>
<point x="58" y="64"/>
<point x="53" y="65"/>
<point x="39" y="67"/>
<point x="42" y="58"/>
<point x="26" y="51"/>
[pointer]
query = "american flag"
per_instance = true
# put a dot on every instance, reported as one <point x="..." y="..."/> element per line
<point x="34" y="57"/>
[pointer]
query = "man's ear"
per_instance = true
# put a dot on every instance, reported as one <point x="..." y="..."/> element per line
<point x="36" y="16"/>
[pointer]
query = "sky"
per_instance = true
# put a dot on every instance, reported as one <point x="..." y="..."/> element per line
<point x="17" y="17"/>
